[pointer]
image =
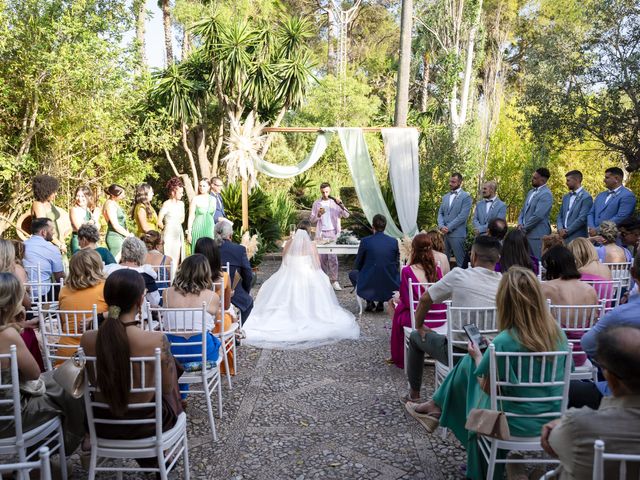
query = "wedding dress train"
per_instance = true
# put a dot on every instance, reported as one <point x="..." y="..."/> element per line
<point x="297" y="307"/>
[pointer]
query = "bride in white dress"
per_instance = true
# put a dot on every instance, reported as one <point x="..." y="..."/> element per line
<point x="297" y="307"/>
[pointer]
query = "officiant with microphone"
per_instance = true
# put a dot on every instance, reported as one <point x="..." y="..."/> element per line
<point x="326" y="213"/>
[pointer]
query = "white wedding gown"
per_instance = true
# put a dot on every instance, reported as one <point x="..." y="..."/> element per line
<point x="297" y="307"/>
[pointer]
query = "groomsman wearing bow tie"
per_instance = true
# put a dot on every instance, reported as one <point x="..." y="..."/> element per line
<point x="488" y="208"/>
<point x="615" y="204"/>
<point x="216" y="188"/>
<point x="534" y="216"/>
<point x="452" y="218"/>
<point x="572" y="217"/>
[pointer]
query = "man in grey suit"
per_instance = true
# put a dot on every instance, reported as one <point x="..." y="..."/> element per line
<point x="452" y="218"/>
<point x="488" y="208"/>
<point x="534" y="216"/>
<point x="572" y="217"/>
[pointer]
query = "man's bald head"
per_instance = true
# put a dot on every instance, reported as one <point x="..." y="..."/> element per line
<point x="618" y="351"/>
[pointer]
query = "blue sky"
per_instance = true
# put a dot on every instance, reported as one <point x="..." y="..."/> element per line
<point x="154" y="36"/>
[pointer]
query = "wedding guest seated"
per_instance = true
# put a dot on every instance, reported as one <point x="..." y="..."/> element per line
<point x="9" y="264"/>
<point x="132" y="256"/>
<point x="550" y="241"/>
<point x="191" y="288"/>
<point x="206" y="246"/>
<point x="626" y="314"/>
<point x="376" y="267"/>
<point x="471" y="287"/>
<point x="39" y="251"/>
<point x="587" y="260"/>
<point x="516" y="253"/>
<point x="629" y="229"/>
<point x="564" y="287"/>
<point x="236" y="257"/>
<point x="42" y="398"/>
<point x="608" y="251"/>
<point x="616" y="422"/>
<point x="117" y="340"/>
<point x="422" y="268"/>
<point x="88" y="237"/>
<point x="156" y="257"/>
<point x="525" y="325"/>
<point x="497" y="228"/>
<point x="437" y="241"/>
<point x="83" y="289"/>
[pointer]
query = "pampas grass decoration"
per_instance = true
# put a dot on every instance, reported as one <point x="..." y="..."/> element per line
<point x="244" y="144"/>
<point x="250" y="243"/>
<point x="404" y="245"/>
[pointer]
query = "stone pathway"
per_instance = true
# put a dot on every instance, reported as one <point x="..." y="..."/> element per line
<point x="329" y="412"/>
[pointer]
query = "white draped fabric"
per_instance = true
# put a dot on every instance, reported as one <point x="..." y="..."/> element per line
<point x="401" y="148"/>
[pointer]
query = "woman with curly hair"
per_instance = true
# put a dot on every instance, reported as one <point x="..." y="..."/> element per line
<point x="45" y="189"/>
<point x="142" y="212"/>
<point x="608" y="251"/>
<point x="437" y="242"/>
<point x="116" y="223"/>
<point x="422" y="268"/>
<point x="171" y="217"/>
<point x="82" y="212"/>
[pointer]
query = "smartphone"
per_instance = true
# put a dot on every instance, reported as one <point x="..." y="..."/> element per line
<point x="474" y="335"/>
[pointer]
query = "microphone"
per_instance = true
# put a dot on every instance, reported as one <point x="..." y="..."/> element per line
<point x="337" y="202"/>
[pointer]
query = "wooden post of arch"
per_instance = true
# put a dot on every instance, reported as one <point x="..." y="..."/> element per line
<point x="245" y="206"/>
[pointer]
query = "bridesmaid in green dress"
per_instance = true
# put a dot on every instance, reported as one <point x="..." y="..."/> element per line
<point x="525" y="325"/>
<point x="82" y="212"/>
<point x="201" y="210"/>
<point x="116" y="226"/>
<point x="143" y="213"/>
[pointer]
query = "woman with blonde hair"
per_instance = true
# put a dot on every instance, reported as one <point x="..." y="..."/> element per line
<point x="142" y="212"/>
<point x="608" y="251"/>
<point x="83" y="289"/>
<point x="525" y="325"/>
<point x="587" y="260"/>
<point x="52" y="400"/>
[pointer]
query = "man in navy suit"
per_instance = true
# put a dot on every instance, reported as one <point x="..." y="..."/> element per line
<point x="236" y="256"/>
<point x="216" y="188"/>
<point x="452" y="218"/>
<point x="488" y="208"/>
<point x="615" y="204"/>
<point x="576" y="205"/>
<point x="376" y="273"/>
<point x="534" y="216"/>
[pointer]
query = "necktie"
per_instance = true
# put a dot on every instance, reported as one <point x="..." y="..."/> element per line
<point x="573" y="194"/>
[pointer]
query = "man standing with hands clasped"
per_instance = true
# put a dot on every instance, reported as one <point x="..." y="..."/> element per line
<point x="325" y="215"/>
<point x="534" y="216"/>
<point x="572" y="217"/>
<point x="452" y="218"/>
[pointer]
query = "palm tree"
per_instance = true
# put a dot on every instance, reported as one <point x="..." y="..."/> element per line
<point x="404" y="70"/>
<point x="168" y="34"/>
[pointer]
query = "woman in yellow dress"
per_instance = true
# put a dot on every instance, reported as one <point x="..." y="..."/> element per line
<point x="143" y="213"/>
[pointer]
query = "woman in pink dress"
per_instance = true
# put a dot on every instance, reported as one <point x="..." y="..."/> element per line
<point x="422" y="268"/>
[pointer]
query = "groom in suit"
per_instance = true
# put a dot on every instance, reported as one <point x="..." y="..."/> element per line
<point x="452" y="218"/>
<point x="216" y="188"/>
<point x="534" y="216"/>
<point x="488" y="208"/>
<point x="376" y="273"/>
<point x="572" y="217"/>
<point x="615" y="204"/>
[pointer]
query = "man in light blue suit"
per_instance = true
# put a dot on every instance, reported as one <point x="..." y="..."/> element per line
<point x="488" y="208"/>
<point x="572" y="217"/>
<point x="452" y="218"/>
<point x="534" y="216"/>
<point x="615" y="204"/>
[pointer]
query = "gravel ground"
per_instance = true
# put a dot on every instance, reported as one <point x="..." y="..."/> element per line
<point x="329" y="412"/>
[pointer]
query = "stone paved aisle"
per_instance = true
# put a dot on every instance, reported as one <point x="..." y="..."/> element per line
<point x="329" y="412"/>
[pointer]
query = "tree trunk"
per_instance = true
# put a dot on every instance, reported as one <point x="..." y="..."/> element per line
<point x="216" y="154"/>
<point x="245" y="206"/>
<point x="202" y="149"/>
<point x="424" y="93"/>
<point x="404" y="71"/>
<point x="269" y="139"/>
<point x="139" y="11"/>
<point x="168" y="32"/>
<point x="192" y="163"/>
<point x="186" y="43"/>
<point x="331" y="53"/>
